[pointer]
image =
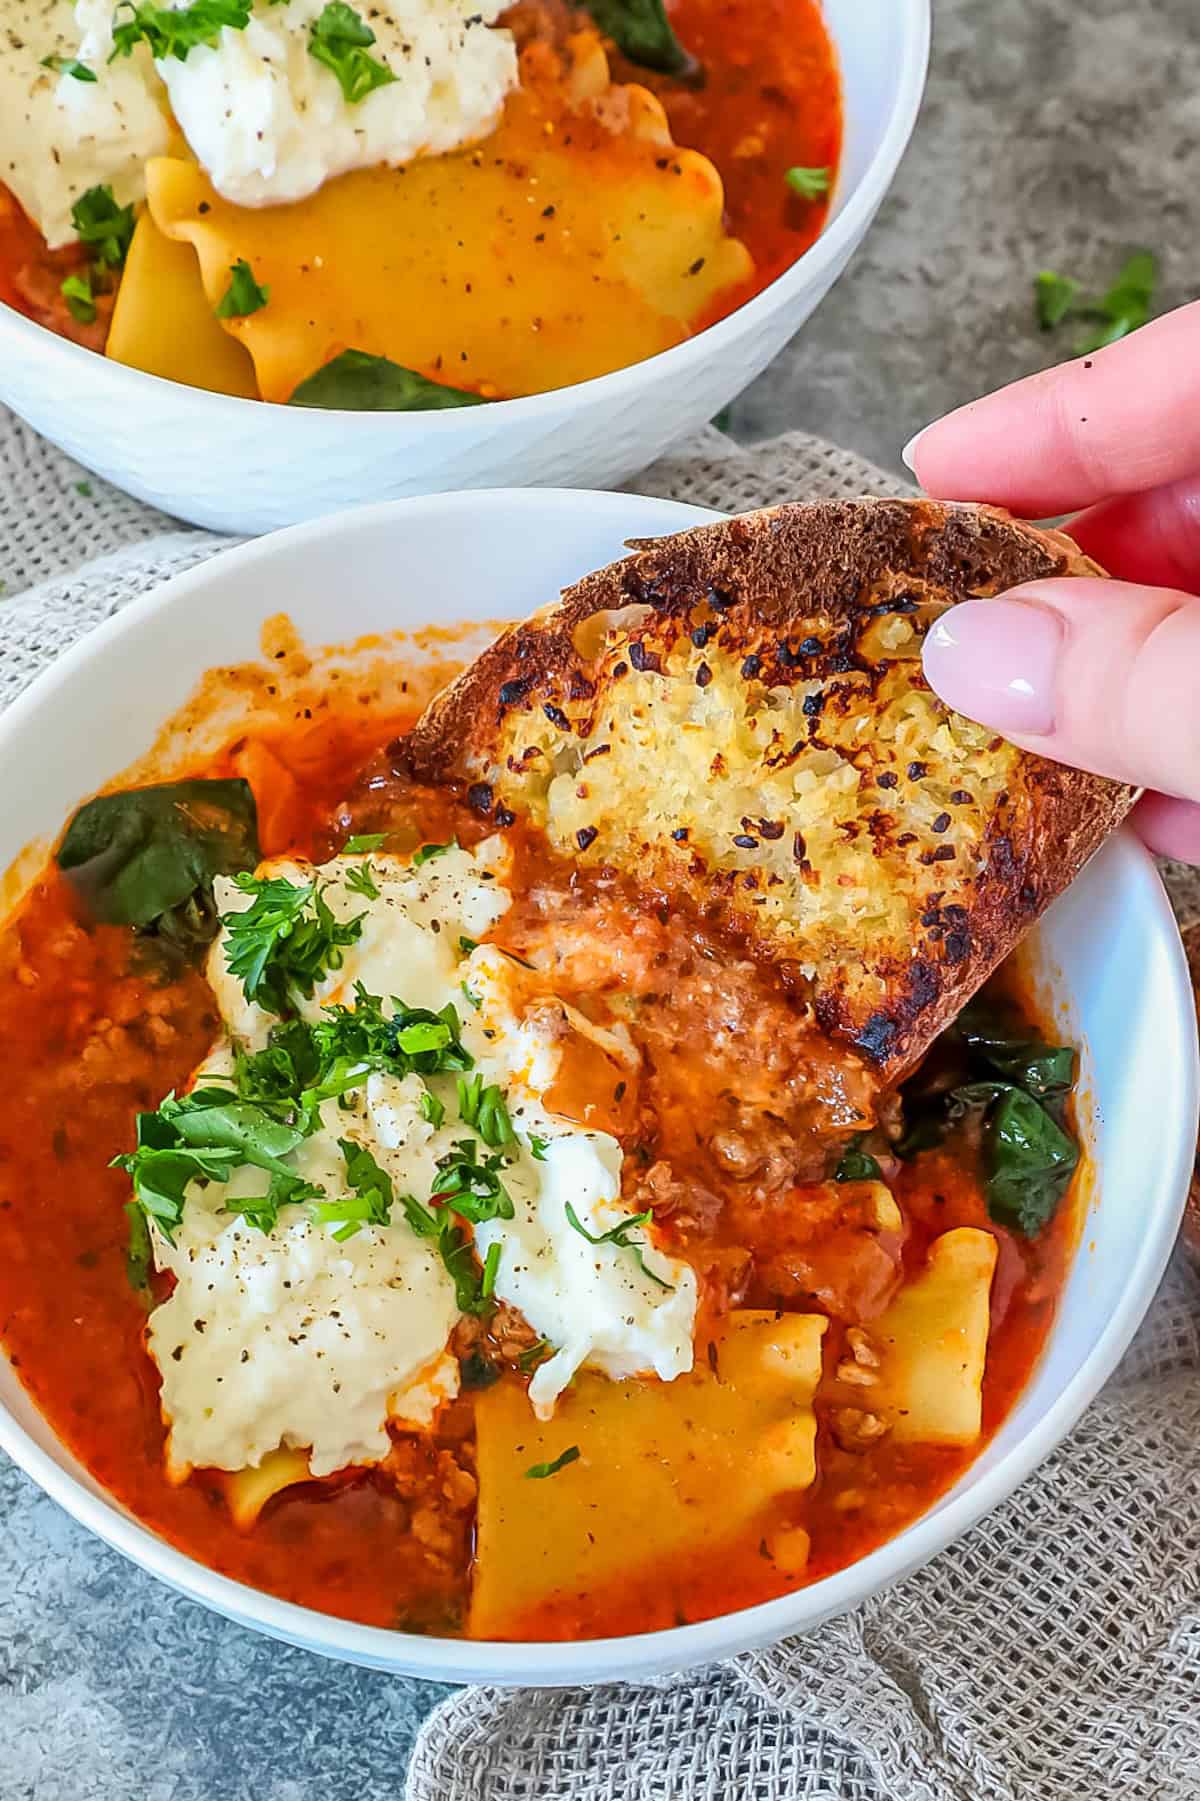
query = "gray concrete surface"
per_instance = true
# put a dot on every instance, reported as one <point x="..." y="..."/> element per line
<point x="1056" y="132"/>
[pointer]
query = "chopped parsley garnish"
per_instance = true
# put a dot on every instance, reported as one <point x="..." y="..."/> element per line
<point x="457" y="1252"/>
<point x="491" y="1263"/>
<point x="467" y="945"/>
<point x="432" y="1109"/>
<point x="204" y="1136"/>
<point x="361" y="880"/>
<point x="485" y="1111"/>
<point x="138" y="1254"/>
<point x="618" y="1235"/>
<point x="537" y="1472"/>
<point x="371" y="1200"/>
<point x="428" y="852"/>
<point x="537" y="1353"/>
<point x="70" y="65"/>
<point x="473" y="1001"/>
<point x="364" y="841"/>
<point x="808" y="184"/>
<point x="471" y="1188"/>
<point x="103" y="226"/>
<point x="339" y="40"/>
<point x="537" y="1148"/>
<point x="409" y="1040"/>
<point x="174" y="31"/>
<point x="243" y="296"/>
<point x="76" y="290"/>
<point x="1112" y="315"/>
<point x="282" y="945"/>
<point x="262" y="1210"/>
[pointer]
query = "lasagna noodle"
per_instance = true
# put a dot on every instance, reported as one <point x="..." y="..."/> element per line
<point x="933" y="1344"/>
<point x="569" y="244"/>
<point x="162" y="321"/>
<point x="667" y="1471"/>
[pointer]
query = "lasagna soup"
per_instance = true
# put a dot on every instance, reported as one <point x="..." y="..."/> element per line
<point x="406" y="1220"/>
<point x="423" y="204"/>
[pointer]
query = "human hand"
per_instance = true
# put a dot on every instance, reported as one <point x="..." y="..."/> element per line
<point x="1101" y="675"/>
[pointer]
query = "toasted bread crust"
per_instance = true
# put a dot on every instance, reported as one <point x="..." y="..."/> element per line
<point x="736" y="716"/>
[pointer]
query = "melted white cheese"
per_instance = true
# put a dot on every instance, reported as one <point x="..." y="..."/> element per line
<point x="60" y="136"/>
<point x="340" y="1337"/>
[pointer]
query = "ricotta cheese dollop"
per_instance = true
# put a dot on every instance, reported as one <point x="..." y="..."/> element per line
<point x="60" y="136"/>
<point x="290" y="1337"/>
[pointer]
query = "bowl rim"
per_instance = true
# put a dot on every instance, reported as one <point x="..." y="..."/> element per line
<point x="840" y="235"/>
<point x="552" y="1663"/>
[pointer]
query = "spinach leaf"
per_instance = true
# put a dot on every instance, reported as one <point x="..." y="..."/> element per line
<point x="856" y="1164"/>
<point x="1015" y="1088"/>
<point x="374" y="384"/>
<point x="1030" y="1162"/>
<point x="642" y="32"/>
<point x="146" y="858"/>
<point x="1039" y="1068"/>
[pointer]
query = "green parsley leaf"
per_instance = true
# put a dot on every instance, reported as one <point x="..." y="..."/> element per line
<point x="808" y="184"/>
<point x="208" y="1120"/>
<point x="537" y="1353"/>
<point x="539" y="1471"/>
<point x="364" y="841"/>
<point x="484" y="1109"/>
<point x="139" y="1257"/>
<point x="471" y="1188"/>
<point x="243" y="295"/>
<point x="174" y="31"/>
<point x="467" y="945"/>
<point x="1122" y="309"/>
<point x="1053" y="297"/>
<point x="473" y="1001"/>
<point x="262" y="1210"/>
<point x="372" y="1198"/>
<point x="339" y="41"/>
<point x="428" y="852"/>
<point x="457" y="1252"/>
<point x="491" y="1263"/>
<point x="105" y="227"/>
<point x="618" y="1235"/>
<point x="285" y="942"/>
<point x="70" y="65"/>
<point x="361" y="880"/>
<point x="162" y="1167"/>
<point x="537" y="1148"/>
<point x="76" y="290"/>
<point x="432" y="1109"/>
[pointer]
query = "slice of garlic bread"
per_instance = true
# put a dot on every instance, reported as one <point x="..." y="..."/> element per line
<point x="737" y="717"/>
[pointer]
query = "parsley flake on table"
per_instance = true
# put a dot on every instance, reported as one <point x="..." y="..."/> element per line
<point x="243" y="296"/>
<point x="339" y="40"/>
<point x="1114" y="314"/>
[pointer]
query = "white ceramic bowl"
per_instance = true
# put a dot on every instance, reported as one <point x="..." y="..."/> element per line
<point x="242" y="466"/>
<point x="1108" y="956"/>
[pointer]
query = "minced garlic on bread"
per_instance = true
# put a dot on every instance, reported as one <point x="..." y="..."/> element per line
<point x="737" y="717"/>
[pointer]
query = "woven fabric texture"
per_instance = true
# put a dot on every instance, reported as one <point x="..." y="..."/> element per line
<point x="1053" y="1654"/>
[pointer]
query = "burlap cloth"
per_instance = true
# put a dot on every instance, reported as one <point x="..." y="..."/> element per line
<point x="1051" y="1655"/>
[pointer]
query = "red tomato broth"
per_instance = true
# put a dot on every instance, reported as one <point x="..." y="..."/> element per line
<point x="770" y="100"/>
<point x="101" y="1037"/>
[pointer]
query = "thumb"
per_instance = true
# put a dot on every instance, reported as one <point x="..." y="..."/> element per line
<point x="1098" y="674"/>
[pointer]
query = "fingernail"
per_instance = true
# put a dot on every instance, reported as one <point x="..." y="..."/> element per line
<point x="997" y="661"/>
<point x="909" y="451"/>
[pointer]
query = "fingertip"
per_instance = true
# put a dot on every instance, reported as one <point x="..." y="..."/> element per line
<point x="1169" y="827"/>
